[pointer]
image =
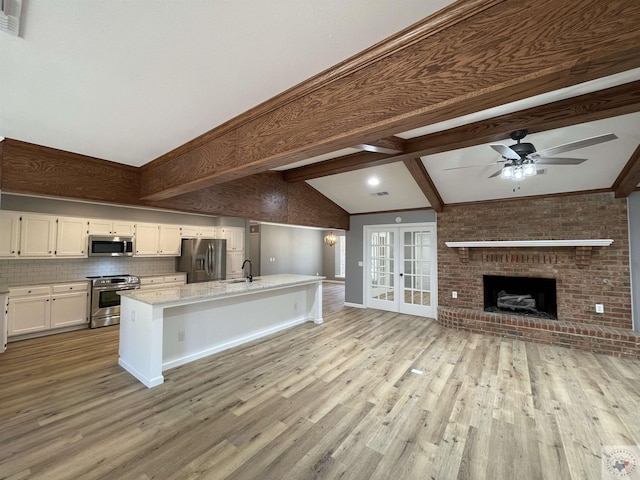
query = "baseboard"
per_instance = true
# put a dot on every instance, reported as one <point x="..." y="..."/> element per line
<point x="354" y="305"/>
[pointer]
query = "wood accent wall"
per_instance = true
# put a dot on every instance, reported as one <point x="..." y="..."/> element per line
<point x="266" y="197"/>
<point x="505" y="51"/>
<point x="33" y="169"/>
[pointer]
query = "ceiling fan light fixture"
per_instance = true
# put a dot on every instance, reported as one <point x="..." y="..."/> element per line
<point x="507" y="172"/>
<point x="518" y="173"/>
<point x="529" y="169"/>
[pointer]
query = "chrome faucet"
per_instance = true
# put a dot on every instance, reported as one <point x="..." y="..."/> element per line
<point x="250" y="276"/>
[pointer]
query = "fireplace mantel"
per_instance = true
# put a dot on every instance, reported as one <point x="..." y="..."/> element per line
<point x="533" y="243"/>
<point x="583" y="247"/>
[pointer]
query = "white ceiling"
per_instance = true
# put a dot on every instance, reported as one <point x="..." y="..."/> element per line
<point x="130" y="81"/>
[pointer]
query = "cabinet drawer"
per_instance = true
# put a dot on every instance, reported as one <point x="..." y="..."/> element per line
<point x="175" y="279"/>
<point x="151" y="280"/>
<point x="70" y="287"/>
<point x="23" y="291"/>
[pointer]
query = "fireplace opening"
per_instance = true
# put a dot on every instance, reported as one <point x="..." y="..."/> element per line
<point x="532" y="297"/>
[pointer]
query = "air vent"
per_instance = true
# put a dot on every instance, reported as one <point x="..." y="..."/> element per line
<point x="10" y="16"/>
<point x="379" y="194"/>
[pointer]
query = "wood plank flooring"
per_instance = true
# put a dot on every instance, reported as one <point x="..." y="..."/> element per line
<point x="336" y="401"/>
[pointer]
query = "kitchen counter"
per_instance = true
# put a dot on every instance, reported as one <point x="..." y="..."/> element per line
<point x="197" y="292"/>
<point x="164" y="328"/>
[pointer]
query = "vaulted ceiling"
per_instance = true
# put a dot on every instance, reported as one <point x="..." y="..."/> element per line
<point x="201" y="95"/>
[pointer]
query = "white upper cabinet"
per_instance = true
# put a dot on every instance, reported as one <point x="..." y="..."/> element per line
<point x="191" y="231"/>
<point x="146" y="239"/>
<point x="71" y="238"/>
<point x="234" y="237"/>
<point x="169" y="240"/>
<point x="153" y="239"/>
<point x="9" y="234"/>
<point x="37" y="235"/>
<point x="109" y="227"/>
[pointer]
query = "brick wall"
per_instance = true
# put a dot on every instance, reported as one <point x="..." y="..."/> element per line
<point x="605" y="280"/>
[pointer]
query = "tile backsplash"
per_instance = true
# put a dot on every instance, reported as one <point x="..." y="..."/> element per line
<point x="27" y="272"/>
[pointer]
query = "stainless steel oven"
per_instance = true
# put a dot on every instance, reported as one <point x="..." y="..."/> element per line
<point x="105" y="301"/>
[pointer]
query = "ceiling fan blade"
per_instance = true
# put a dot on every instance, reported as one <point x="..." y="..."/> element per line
<point x="560" y="161"/>
<point x="471" y="166"/>
<point x="505" y="151"/>
<point x="496" y="174"/>
<point x="587" y="142"/>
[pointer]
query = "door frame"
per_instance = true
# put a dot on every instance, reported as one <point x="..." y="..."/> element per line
<point x="366" y="278"/>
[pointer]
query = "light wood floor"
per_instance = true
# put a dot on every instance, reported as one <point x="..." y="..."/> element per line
<point x="331" y="401"/>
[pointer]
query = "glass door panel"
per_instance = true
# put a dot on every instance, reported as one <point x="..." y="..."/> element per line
<point x="381" y="278"/>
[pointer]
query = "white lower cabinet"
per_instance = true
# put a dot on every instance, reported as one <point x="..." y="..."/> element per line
<point x="28" y="314"/>
<point x="47" y="307"/>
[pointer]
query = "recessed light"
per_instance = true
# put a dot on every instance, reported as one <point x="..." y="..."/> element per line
<point x="373" y="181"/>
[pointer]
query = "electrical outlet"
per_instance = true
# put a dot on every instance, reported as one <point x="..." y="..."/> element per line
<point x="599" y="308"/>
<point x="454" y="294"/>
<point x="181" y="336"/>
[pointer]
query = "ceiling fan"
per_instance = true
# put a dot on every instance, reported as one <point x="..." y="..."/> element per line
<point x="521" y="159"/>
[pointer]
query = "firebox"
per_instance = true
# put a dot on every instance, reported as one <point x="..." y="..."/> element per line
<point x="527" y="296"/>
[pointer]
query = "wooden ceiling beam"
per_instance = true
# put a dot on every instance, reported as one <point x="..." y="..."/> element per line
<point x="422" y="178"/>
<point x="347" y="163"/>
<point x="457" y="62"/>
<point x="390" y="145"/>
<point x="590" y="107"/>
<point x="629" y="178"/>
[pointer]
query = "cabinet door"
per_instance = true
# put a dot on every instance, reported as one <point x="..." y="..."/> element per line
<point x="100" y="227"/>
<point x="189" y="232"/>
<point x="71" y="239"/>
<point x="9" y="229"/>
<point x="208" y="232"/>
<point x="69" y="309"/>
<point x="37" y="235"/>
<point x="28" y="314"/>
<point x="169" y="240"/>
<point x="146" y="239"/>
<point x="238" y="239"/>
<point x="234" y="264"/>
<point x="123" y="228"/>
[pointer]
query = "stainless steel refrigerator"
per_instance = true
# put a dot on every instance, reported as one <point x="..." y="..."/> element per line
<point x="203" y="259"/>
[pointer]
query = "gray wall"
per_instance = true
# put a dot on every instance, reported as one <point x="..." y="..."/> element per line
<point x="353" y="292"/>
<point x="296" y="250"/>
<point x="634" y="251"/>
<point x="96" y="210"/>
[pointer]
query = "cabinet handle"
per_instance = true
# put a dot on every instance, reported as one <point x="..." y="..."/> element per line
<point x="29" y="291"/>
<point x="13" y="251"/>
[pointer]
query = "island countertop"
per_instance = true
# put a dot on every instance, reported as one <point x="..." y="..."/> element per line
<point x="195" y="292"/>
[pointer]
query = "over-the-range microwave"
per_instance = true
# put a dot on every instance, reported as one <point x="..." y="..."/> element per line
<point x="110" y="246"/>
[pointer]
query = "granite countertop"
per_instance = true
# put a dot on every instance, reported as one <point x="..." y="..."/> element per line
<point x="195" y="292"/>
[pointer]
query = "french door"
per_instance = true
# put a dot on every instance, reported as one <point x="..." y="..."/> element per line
<point x="401" y="270"/>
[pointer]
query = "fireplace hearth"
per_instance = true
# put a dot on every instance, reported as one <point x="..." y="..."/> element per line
<point x="527" y="296"/>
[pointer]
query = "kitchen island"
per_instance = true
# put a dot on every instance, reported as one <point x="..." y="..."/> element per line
<point x="164" y="328"/>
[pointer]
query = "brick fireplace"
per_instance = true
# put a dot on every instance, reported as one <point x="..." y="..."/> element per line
<point x="584" y="276"/>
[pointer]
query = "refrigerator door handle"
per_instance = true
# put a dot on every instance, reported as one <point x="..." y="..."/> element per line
<point x="210" y="259"/>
